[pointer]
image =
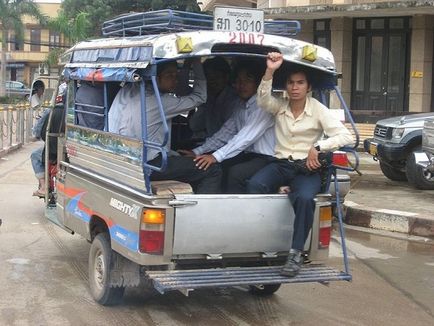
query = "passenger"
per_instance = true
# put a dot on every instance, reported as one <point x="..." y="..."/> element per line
<point x="90" y="98"/>
<point x="245" y="143"/>
<point x="37" y="93"/>
<point x="124" y="118"/>
<point x="38" y="156"/>
<point x="38" y="170"/>
<point x="219" y="106"/>
<point x="301" y="122"/>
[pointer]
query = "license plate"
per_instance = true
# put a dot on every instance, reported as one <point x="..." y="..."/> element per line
<point x="238" y="20"/>
<point x="373" y="149"/>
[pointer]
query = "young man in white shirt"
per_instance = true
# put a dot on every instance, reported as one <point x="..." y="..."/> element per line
<point x="300" y="124"/>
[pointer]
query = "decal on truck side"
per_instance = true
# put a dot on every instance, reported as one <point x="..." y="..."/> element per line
<point x="75" y="207"/>
<point x="131" y="211"/>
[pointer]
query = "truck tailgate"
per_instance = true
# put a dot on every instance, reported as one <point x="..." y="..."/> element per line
<point x="232" y="224"/>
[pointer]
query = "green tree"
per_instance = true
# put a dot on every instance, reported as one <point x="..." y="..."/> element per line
<point x="102" y="10"/>
<point x="11" y="14"/>
<point x="73" y="29"/>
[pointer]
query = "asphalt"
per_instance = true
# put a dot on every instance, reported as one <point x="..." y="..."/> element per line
<point x="373" y="200"/>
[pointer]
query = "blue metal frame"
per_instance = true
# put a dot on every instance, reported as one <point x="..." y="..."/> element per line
<point x="332" y="169"/>
<point x="148" y="168"/>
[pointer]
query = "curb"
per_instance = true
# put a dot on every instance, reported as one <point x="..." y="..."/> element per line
<point x="388" y="220"/>
<point x="10" y="149"/>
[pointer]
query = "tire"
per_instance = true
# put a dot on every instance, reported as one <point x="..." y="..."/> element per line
<point x="416" y="175"/>
<point x="264" y="290"/>
<point x="100" y="266"/>
<point x="392" y="173"/>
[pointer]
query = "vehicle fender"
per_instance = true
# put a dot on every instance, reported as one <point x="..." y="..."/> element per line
<point x="412" y="139"/>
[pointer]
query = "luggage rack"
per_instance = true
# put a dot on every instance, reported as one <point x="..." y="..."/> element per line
<point x="169" y="21"/>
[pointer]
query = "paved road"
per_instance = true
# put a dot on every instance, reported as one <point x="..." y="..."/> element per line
<point x="43" y="272"/>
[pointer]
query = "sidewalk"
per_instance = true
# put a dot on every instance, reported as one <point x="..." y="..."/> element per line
<point x="377" y="202"/>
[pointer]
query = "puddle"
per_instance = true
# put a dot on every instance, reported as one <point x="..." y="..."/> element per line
<point x="19" y="261"/>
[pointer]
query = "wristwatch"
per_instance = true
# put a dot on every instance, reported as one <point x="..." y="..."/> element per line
<point x="316" y="146"/>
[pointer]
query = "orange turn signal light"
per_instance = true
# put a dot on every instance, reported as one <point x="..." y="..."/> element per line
<point x="325" y="213"/>
<point x="154" y="216"/>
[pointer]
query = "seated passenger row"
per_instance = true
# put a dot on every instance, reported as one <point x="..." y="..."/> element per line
<point x="267" y="142"/>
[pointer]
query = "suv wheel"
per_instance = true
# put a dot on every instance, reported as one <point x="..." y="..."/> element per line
<point x="392" y="173"/>
<point x="416" y="175"/>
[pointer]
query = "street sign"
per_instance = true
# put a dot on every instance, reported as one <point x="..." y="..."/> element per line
<point x="230" y="19"/>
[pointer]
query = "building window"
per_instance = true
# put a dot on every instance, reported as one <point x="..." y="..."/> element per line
<point x="321" y="33"/>
<point x="14" y="44"/>
<point x="35" y="40"/>
<point x="54" y="40"/>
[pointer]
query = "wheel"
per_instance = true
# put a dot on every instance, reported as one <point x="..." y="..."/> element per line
<point x="392" y="173"/>
<point x="100" y="265"/>
<point x="416" y="175"/>
<point x="264" y="289"/>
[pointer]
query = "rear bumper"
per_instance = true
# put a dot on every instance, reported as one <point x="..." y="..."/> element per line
<point x="385" y="151"/>
<point x="423" y="160"/>
<point x="344" y="181"/>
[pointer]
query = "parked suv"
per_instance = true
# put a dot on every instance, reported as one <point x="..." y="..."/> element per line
<point x="395" y="142"/>
<point x="17" y="88"/>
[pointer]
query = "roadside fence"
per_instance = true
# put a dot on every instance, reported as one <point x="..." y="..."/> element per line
<point x="16" y="122"/>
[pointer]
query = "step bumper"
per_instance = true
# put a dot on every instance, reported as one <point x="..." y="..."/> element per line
<point x="185" y="280"/>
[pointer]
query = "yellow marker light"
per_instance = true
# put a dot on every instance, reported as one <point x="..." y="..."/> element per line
<point x="154" y="216"/>
<point x="309" y="53"/>
<point x="184" y="44"/>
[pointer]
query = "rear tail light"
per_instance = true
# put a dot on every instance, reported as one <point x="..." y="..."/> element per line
<point x="340" y="159"/>
<point x="152" y="231"/>
<point x="325" y="226"/>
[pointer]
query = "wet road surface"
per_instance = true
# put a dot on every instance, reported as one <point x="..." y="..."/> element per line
<point x="43" y="272"/>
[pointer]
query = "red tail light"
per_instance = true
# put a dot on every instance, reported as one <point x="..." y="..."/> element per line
<point x="151" y="240"/>
<point x="325" y="226"/>
<point x="340" y="159"/>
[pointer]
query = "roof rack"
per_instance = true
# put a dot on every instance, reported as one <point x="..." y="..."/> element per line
<point x="168" y="20"/>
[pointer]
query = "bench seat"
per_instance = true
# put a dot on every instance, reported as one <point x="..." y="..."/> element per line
<point x="170" y="187"/>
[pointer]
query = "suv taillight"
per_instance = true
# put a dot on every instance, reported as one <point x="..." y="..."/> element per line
<point x="151" y="240"/>
<point x="340" y="159"/>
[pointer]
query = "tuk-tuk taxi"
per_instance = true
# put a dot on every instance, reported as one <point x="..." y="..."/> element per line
<point x="161" y="232"/>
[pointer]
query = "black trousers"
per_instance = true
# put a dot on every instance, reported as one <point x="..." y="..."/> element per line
<point x="304" y="188"/>
<point x="239" y="169"/>
<point x="182" y="168"/>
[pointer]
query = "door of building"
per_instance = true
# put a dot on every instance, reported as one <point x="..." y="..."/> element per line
<point x="380" y="68"/>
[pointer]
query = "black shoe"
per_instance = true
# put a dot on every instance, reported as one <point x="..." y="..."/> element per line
<point x="293" y="264"/>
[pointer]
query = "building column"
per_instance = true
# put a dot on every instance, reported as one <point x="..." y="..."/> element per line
<point x="341" y="47"/>
<point x="421" y="66"/>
